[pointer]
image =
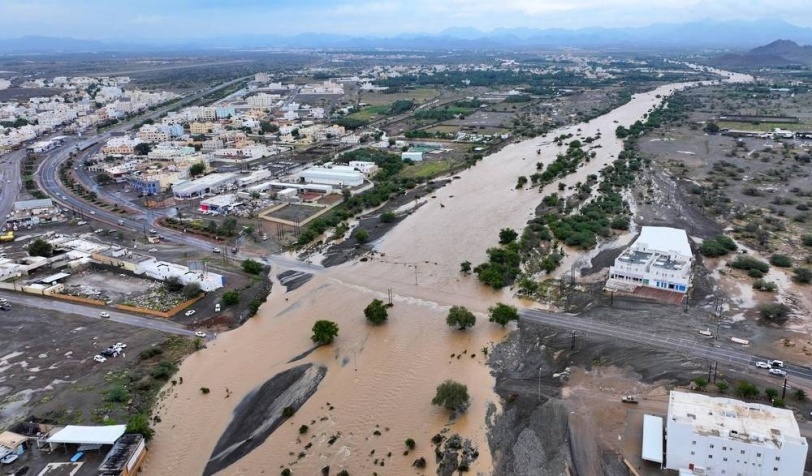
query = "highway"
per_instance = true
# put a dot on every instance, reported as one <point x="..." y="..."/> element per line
<point x="703" y="348"/>
<point x="38" y="302"/>
<point x="10" y="181"/>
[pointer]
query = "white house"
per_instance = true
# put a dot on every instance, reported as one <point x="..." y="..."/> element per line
<point x="715" y="436"/>
<point x="660" y="258"/>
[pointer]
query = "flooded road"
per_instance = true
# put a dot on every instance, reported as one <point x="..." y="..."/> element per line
<point x="380" y="380"/>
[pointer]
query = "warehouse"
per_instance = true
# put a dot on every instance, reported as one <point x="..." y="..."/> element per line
<point x="339" y="175"/>
<point x="208" y="184"/>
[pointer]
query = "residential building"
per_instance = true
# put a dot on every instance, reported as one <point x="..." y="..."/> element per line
<point x="196" y="128"/>
<point x="367" y="168"/>
<point x="263" y="100"/>
<point x="152" y="134"/>
<point x="714" y="436"/>
<point x="262" y="77"/>
<point x="121" y="146"/>
<point x="661" y="258"/>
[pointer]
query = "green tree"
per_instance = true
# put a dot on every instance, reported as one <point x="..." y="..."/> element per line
<point x="191" y="290"/>
<point x="502" y="314"/>
<point x="779" y="403"/>
<point x="142" y="148"/>
<point x="252" y="267"/>
<point x="410" y="443"/>
<point x="376" y="312"/>
<point x="746" y="389"/>
<point x="460" y="317"/>
<point x="800" y="395"/>
<point x="103" y="178"/>
<point x="231" y="298"/>
<point x="140" y="424"/>
<point x="521" y="181"/>
<point x="324" y="332"/>
<point x="465" y="267"/>
<point x="197" y="168"/>
<point x="771" y="393"/>
<point x="507" y="236"/>
<point x="40" y="247"/>
<point x="452" y="396"/>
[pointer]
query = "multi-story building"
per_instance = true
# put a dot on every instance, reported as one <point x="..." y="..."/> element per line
<point x="714" y="436"/>
<point x="152" y="134"/>
<point x="660" y="258"/>
<point x="263" y="100"/>
<point x="196" y="128"/>
<point x="121" y="146"/>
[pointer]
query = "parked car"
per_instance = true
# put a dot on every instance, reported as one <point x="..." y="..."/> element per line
<point x="153" y="250"/>
<point x="779" y="372"/>
<point x="92" y="212"/>
<point x="762" y="365"/>
<point x="109" y="353"/>
<point x="120" y="345"/>
<point x="99" y="358"/>
<point x="217" y="307"/>
<point x="104" y="315"/>
<point x="10" y="458"/>
<point x="776" y="364"/>
<point x="200" y="334"/>
<point x="190" y="312"/>
<point x="215" y="250"/>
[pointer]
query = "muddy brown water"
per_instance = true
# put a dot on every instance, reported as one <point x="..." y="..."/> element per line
<point x="379" y="379"/>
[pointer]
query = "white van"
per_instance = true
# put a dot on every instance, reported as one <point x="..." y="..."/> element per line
<point x="217" y="307"/>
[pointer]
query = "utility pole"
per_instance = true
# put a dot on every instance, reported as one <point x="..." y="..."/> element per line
<point x="415" y="274"/>
<point x="784" y="392"/>
<point x="715" y="369"/>
<point x="539" y="384"/>
<point x="710" y="369"/>
<point x="389" y="292"/>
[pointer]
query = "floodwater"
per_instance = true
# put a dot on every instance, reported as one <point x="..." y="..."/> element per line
<point x="379" y="379"/>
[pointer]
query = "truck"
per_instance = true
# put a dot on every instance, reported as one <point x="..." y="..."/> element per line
<point x="628" y="399"/>
<point x="7" y="236"/>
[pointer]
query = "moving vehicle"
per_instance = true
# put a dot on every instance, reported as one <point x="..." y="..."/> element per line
<point x="628" y="399"/>
<point x="120" y="345"/>
<point x="105" y="315"/>
<point x="779" y="372"/>
<point x="190" y="312"/>
<point x="153" y="250"/>
<point x="92" y="212"/>
<point x="99" y="358"/>
<point x="217" y="307"/>
<point x="776" y="364"/>
<point x="762" y="365"/>
<point x="121" y="222"/>
<point x="215" y="250"/>
<point x="200" y="334"/>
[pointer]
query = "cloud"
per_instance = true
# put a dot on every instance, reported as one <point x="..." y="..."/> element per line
<point x="189" y="19"/>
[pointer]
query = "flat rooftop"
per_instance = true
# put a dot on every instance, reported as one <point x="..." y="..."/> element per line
<point x="735" y="420"/>
<point x="635" y="257"/>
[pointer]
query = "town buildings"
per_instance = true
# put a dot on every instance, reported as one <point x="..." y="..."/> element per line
<point x="715" y="436"/>
<point x="660" y="258"/>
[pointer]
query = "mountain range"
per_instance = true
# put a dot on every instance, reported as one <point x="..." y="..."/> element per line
<point x="737" y="36"/>
<point x="777" y="53"/>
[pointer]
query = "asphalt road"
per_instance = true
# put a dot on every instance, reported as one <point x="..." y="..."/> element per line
<point x="89" y="311"/>
<point x="703" y="347"/>
<point x="10" y="182"/>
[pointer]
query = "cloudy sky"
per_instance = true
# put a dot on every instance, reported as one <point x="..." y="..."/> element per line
<point x="190" y="19"/>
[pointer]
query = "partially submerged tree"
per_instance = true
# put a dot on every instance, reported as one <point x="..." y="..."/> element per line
<point x="452" y="396"/>
<point x="324" y="332"/>
<point x="460" y="317"/>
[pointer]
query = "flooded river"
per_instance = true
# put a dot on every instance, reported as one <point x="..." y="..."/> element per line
<point x="379" y="379"/>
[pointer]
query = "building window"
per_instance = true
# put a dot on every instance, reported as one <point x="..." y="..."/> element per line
<point x="693" y="442"/>
<point x="692" y="453"/>
<point x="724" y="459"/>
<point x="710" y="456"/>
<point x="778" y="458"/>
<point x="758" y="455"/>
<point x="742" y="451"/>
<point x="711" y="446"/>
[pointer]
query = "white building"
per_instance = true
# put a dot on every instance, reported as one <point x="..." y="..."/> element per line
<point x="412" y="155"/>
<point x="367" y="168"/>
<point x="660" y="258"/>
<point x="341" y="175"/>
<point x="720" y="436"/>
<point x="162" y="270"/>
<point x="208" y="184"/>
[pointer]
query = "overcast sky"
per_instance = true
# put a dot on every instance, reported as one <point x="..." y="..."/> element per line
<point x="189" y="19"/>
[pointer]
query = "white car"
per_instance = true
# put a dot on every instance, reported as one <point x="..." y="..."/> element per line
<point x="92" y="212"/>
<point x="99" y="358"/>
<point x="215" y="250"/>
<point x="153" y="250"/>
<point x="776" y="364"/>
<point x="190" y="312"/>
<point x="780" y="372"/>
<point x="762" y="365"/>
<point x="200" y="334"/>
<point x="9" y="458"/>
<point x="105" y="315"/>
<point x="120" y="345"/>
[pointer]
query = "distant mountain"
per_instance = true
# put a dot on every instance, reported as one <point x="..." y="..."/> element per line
<point x="777" y="53"/>
<point x="730" y="35"/>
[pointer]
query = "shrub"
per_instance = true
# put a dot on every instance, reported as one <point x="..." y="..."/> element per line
<point x="722" y="387"/>
<point x="117" y="395"/>
<point x="766" y="286"/>
<point x="779" y="403"/>
<point x="288" y="412"/>
<point x="774" y="311"/>
<point x="140" y="424"/>
<point x="701" y="382"/>
<point x="754" y="273"/>
<point x="410" y="443"/>
<point x="40" y="247"/>
<point x="285" y="472"/>
<point x="452" y="396"/>
<point x="719" y="245"/>
<point x="149" y="353"/>
<point x="782" y="261"/>
<point x="507" y="235"/>
<point x="770" y="392"/>
<point x="746" y="389"/>
<point x="387" y="217"/>
<point x="465" y="267"/>
<point x="748" y="263"/>
<point x="800" y="395"/>
<point x="303" y="429"/>
<point x="191" y="290"/>
<point x="163" y="370"/>
<point x="460" y="317"/>
<point x="361" y="235"/>
<point x="204" y="390"/>
<point x="806" y="240"/>
<point x="802" y="275"/>
<point x="231" y="298"/>
<point x="252" y="267"/>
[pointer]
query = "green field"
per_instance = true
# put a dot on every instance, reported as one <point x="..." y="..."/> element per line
<point x="370" y="113"/>
<point x="426" y="169"/>
<point x="419" y="96"/>
<point x="764" y="126"/>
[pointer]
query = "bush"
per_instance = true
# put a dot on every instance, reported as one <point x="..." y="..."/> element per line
<point x="410" y="443"/>
<point x="746" y="389"/>
<point x="460" y="317"/>
<point x="149" y="353"/>
<point x="285" y="472"/>
<point x="800" y="395"/>
<point x="387" y="217"/>
<point x="252" y="267"/>
<point x="782" y="261"/>
<point x="806" y="240"/>
<point x="288" y="412"/>
<point x="722" y="387"/>
<point x="748" y="263"/>
<point x="719" y="245"/>
<point x="324" y="332"/>
<point x="117" y="395"/>
<point x="754" y="273"/>
<point x="802" y="275"/>
<point x="231" y="298"/>
<point x="303" y="429"/>
<point x="774" y="311"/>
<point x="452" y="396"/>
<point x="779" y="403"/>
<point x="361" y="235"/>
<point x="191" y="290"/>
<point x="465" y="267"/>
<point x="507" y="235"/>
<point x="375" y="312"/>
<point x="502" y="314"/>
<point x="701" y="382"/>
<point x="140" y="424"/>
<point x="163" y="370"/>
<point x="204" y="390"/>
<point x="40" y="247"/>
<point x="766" y="286"/>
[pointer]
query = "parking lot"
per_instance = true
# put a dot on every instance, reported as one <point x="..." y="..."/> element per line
<point x="47" y="368"/>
